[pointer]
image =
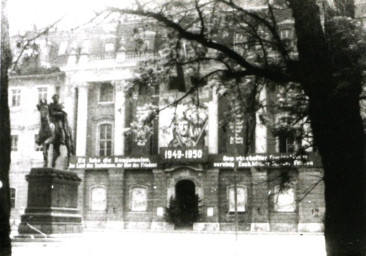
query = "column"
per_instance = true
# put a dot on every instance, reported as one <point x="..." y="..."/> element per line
<point x="69" y="103"/>
<point x="82" y="120"/>
<point x="261" y="129"/>
<point x="213" y="123"/>
<point x="260" y="214"/>
<point x="115" y="199"/>
<point x="119" y="118"/>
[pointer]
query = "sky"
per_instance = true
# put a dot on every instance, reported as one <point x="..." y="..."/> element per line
<point x="24" y="14"/>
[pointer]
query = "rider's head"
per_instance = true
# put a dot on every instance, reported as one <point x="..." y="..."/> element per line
<point x="55" y="98"/>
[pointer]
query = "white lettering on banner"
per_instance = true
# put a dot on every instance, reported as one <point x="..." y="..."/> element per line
<point x="262" y="161"/>
<point x="112" y="162"/>
<point x="183" y="154"/>
<point x="228" y="164"/>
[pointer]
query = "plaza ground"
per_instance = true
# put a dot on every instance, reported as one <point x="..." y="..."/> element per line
<point x="136" y="243"/>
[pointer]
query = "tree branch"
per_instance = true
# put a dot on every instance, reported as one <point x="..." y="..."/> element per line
<point x="274" y="75"/>
<point x="269" y="26"/>
<point x="28" y="41"/>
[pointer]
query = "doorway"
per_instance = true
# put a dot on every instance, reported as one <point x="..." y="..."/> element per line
<point x="187" y="203"/>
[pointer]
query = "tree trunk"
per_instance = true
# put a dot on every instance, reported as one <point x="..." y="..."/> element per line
<point x="338" y="135"/>
<point x="5" y="142"/>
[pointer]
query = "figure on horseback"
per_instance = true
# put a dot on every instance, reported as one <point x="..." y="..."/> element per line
<point x="54" y="131"/>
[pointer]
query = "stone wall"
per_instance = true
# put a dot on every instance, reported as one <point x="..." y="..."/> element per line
<point x="227" y="219"/>
<point x="92" y="179"/>
<point x="212" y="186"/>
<point x="138" y="178"/>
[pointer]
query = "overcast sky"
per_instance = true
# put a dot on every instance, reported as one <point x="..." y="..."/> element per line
<point x="24" y="14"/>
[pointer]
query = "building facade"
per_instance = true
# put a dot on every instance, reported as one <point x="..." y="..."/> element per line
<point x="187" y="168"/>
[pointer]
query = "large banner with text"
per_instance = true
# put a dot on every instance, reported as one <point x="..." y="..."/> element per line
<point x="113" y="162"/>
<point x="264" y="160"/>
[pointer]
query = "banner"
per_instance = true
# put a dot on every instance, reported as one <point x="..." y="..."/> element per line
<point x="113" y="162"/>
<point x="142" y="138"/>
<point x="185" y="124"/>
<point x="183" y="155"/>
<point x="264" y="160"/>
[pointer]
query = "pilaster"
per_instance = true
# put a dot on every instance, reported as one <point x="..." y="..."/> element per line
<point x="81" y="191"/>
<point x="261" y="129"/>
<point x="260" y="214"/>
<point x="209" y="219"/>
<point x="213" y="124"/>
<point x="310" y="204"/>
<point x="159" y="198"/>
<point x="115" y="199"/>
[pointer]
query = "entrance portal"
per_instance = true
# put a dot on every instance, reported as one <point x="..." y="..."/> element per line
<point x="187" y="203"/>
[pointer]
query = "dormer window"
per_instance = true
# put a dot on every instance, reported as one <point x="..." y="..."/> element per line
<point x="109" y="47"/>
<point x="85" y="47"/>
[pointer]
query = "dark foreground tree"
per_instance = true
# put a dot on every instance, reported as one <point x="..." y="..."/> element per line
<point x="5" y="244"/>
<point x="326" y="62"/>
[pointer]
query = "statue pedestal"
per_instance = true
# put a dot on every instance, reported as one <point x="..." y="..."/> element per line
<point x="52" y="203"/>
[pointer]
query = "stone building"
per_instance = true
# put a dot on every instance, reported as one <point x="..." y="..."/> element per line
<point x="187" y="159"/>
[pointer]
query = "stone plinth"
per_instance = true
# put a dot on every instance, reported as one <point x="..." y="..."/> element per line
<point x="52" y="203"/>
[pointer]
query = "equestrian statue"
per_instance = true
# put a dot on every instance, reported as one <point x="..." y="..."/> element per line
<point x="54" y="132"/>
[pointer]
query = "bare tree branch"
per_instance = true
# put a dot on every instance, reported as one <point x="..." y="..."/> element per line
<point x="30" y="40"/>
<point x="200" y="17"/>
<point x="268" y="25"/>
<point x="272" y="74"/>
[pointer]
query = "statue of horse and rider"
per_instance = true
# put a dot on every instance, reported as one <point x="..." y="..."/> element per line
<point x="54" y="132"/>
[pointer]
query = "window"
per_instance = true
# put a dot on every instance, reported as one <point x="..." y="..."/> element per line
<point x="286" y="143"/>
<point x="109" y="47"/>
<point x="36" y="146"/>
<point x="242" y="195"/>
<point x="106" y="93"/>
<point x="286" y="34"/>
<point x="98" y="199"/>
<point x="287" y="37"/>
<point x="15" y="97"/>
<point x="284" y="199"/>
<point x="12" y="197"/>
<point x="139" y="199"/>
<point x="289" y="139"/>
<point x="85" y="47"/>
<point x="42" y="94"/>
<point x="14" y="142"/>
<point x="63" y="48"/>
<point x="105" y="140"/>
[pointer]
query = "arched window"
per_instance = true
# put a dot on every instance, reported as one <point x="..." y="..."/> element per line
<point x="98" y="198"/>
<point x="105" y="139"/>
<point x="284" y="200"/>
<point x="242" y="198"/>
<point x="138" y="199"/>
